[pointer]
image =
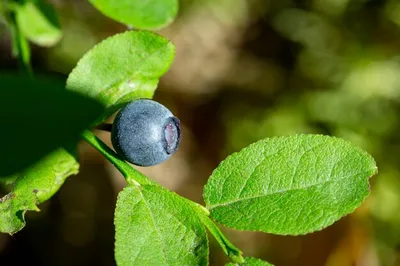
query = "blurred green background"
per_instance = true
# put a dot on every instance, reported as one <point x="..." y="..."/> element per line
<point x="244" y="70"/>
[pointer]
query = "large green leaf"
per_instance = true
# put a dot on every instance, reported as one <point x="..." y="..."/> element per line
<point x="251" y="262"/>
<point x="149" y="14"/>
<point x="289" y="185"/>
<point x="38" y="22"/>
<point x="156" y="227"/>
<point x="38" y="116"/>
<point x="33" y="186"/>
<point x="122" y="68"/>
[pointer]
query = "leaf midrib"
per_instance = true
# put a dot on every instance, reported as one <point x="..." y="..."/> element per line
<point x="155" y="226"/>
<point x="370" y="171"/>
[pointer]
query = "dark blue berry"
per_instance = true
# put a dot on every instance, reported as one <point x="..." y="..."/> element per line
<point x="145" y="133"/>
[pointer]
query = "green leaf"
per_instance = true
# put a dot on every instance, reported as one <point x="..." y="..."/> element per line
<point x="251" y="262"/>
<point x="37" y="117"/>
<point x="149" y="14"/>
<point x="289" y="185"/>
<point x="157" y="227"/>
<point x="34" y="186"/>
<point x="122" y="68"/>
<point x="20" y="46"/>
<point x="38" y="22"/>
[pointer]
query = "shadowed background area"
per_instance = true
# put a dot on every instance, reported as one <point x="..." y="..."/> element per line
<point x="244" y="70"/>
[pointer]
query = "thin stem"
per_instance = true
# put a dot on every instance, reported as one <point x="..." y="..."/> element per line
<point x="131" y="174"/>
<point x="229" y="249"/>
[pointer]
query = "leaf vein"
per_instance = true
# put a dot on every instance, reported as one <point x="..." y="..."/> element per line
<point x="285" y="190"/>
<point x="155" y="227"/>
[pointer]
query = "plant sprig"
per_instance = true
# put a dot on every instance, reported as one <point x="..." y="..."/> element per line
<point x="138" y="180"/>
<point x="287" y="185"/>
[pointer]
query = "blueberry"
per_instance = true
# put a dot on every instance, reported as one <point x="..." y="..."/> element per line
<point x="145" y="133"/>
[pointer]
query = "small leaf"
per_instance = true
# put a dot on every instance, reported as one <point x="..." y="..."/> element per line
<point x="156" y="227"/>
<point x="33" y="186"/>
<point x="122" y="68"/>
<point x="20" y="46"/>
<point x="37" y="117"/>
<point x="289" y="185"/>
<point x="251" y="262"/>
<point x="38" y="22"/>
<point x="149" y="14"/>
